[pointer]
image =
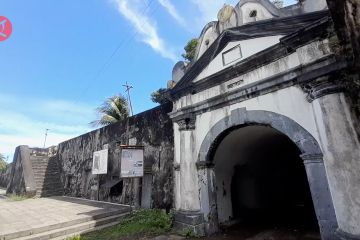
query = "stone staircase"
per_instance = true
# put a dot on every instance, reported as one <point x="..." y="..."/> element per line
<point x="47" y="176"/>
<point x="60" y="217"/>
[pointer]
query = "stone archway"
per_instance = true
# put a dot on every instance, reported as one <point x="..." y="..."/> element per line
<point x="311" y="155"/>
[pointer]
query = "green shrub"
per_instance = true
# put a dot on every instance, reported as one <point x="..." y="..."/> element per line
<point x="14" y="197"/>
<point x="141" y="222"/>
<point x="187" y="232"/>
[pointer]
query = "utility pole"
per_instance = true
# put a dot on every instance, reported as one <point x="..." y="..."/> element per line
<point x="46" y="133"/>
<point x="136" y="180"/>
<point x="128" y="87"/>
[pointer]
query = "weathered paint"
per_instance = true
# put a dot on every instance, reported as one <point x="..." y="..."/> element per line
<point x="342" y="153"/>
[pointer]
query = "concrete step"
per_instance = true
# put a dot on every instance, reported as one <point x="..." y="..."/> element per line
<point x="44" y="167"/>
<point x="39" y="162"/>
<point x="46" y="176"/>
<point x="48" y="180"/>
<point x="38" y="159"/>
<point x="61" y="233"/>
<point x="87" y="231"/>
<point x="43" y="173"/>
<point x="55" y="192"/>
<point x="53" y="189"/>
<point x="40" y="186"/>
<point x="60" y="229"/>
<point x="44" y="162"/>
<point x="49" y="189"/>
<point x="49" y="194"/>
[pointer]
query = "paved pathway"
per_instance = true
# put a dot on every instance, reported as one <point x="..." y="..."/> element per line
<point x="28" y="214"/>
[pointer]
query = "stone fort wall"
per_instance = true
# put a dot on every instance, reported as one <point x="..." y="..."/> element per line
<point x="151" y="129"/>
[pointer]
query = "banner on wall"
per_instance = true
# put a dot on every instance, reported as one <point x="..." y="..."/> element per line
<point x="132" y="161"/>
<point x="100" y="162"/>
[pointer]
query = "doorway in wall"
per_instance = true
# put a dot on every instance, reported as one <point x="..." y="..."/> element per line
<point x="261" y="184"/>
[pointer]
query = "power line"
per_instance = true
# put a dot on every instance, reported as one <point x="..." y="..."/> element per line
<point x="107" y="63"/>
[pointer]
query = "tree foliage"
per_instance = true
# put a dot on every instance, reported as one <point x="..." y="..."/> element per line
<point x="114" y="109"/>
<point x="3" y="164"/>
<point x="158" y="96"/>
<point x="190" y="49"/>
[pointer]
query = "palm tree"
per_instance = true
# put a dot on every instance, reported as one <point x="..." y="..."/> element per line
<point x="112" y="110"/>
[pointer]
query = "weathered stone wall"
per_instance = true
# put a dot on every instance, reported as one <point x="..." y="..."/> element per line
<point x="151" y="129"/>
<point x="21" y="179"/>
<point x="346" y="19"/>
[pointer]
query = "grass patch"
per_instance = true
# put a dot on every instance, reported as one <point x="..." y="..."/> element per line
<point x="14" y="197"/>
<point x="140" y="223"/>
<point x="76" y="237"/>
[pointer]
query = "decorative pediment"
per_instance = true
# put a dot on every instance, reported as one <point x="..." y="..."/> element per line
<point x="235" y="52"/>
<point x="240" y="45"/>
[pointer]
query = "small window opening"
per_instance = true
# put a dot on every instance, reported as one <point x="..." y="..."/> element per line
<point x="253" y="14"/>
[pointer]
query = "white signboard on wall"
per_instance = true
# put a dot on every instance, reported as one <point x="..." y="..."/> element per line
<point x="132" y="161"/>
<point x="100" y="162"/>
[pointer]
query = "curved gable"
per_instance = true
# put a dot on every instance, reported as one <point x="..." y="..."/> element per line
<point x="208" y="35"/>
<point x="252" y="12"/>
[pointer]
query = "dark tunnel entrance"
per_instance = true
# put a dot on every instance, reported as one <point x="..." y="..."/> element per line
<point x="261" y="181"/>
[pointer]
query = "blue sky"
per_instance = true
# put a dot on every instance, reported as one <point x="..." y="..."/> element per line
<point x="66" y="57"/>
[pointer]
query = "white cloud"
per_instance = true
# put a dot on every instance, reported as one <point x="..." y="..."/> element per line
<point x="146" y="28"/>
<point x="170" y="8"/>
<point x="25" y="125"/>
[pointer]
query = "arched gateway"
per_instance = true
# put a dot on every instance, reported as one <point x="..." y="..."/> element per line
<point x="260" y="113"/>
<point x="310" y="153"/>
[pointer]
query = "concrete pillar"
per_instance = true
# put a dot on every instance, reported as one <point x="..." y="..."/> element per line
<point x="188" y="217"/>
<point x="188" y="174"/>
<point x="321" y="196"/>
<point x="341" y="150"/>
<point x="207" y="189"/>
